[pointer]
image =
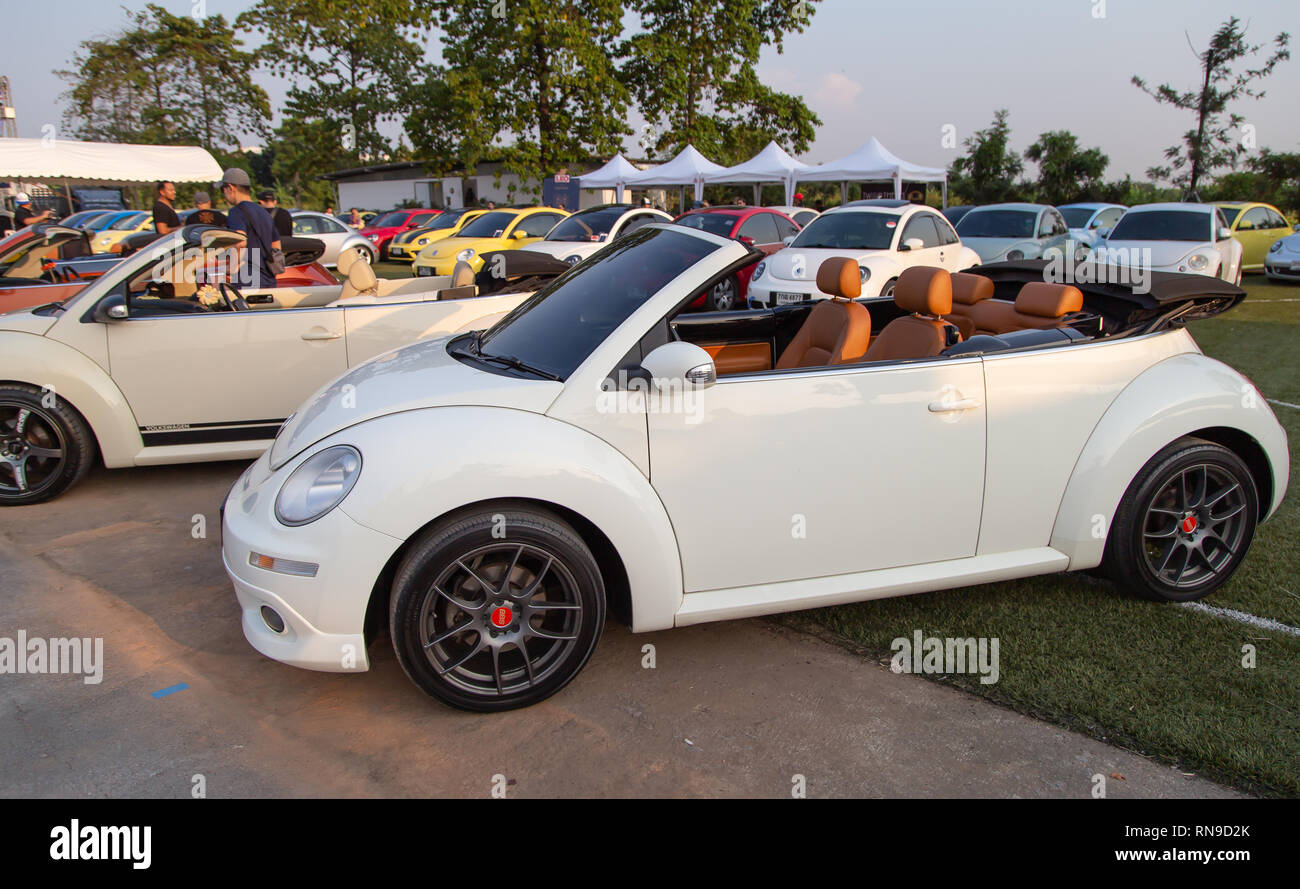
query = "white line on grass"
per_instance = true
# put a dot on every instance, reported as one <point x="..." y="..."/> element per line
<point x="1264" y="623"/>
<point x="1283" y="403"/>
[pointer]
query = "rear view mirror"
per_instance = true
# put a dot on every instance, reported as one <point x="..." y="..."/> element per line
<point x="912" y="244"/>
<point x="680" y="364"/>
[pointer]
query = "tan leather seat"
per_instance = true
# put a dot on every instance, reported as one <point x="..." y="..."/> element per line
<point x="838" y="329"/>
<point x="1038" y="305"/>
<point x="348" y="258"/>
<point x="361" y="281"/>
<point x="926" y="293"/>
<point x="967" y="290"/>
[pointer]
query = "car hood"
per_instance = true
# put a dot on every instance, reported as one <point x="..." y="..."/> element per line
<point x="782" y="264"/>
<point x="414" y="377"/>
<point x="23" y="321"/>
<point x="452" y="246"/>
<point x="1290" y="244"/>
<point x="1163" y="253"/>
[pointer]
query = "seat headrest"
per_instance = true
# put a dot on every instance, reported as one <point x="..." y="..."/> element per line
<point x="361" y="279"/>
<point x="924" y="290"/>
<point x="969" y="289"/>
<point x="346" y="260"/>
<point x="839" y="276"/>
<point x="1045" y="300"/>
<point x="462" y="274"/>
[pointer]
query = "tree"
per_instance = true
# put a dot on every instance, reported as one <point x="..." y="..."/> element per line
<point x="1281" y="174"/>
<point x="1210" y="145"/>
<point x="987" y="173"/>
<point x="1066" y="173"/>
<point x="166" y="79"/>
<point x="531" y="81"/>
<point x="692" y="72"/>
<point x="349" y="60"/>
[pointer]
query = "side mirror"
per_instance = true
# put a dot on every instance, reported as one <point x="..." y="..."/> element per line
<point x="109" y="309"/>
<point x="746" y="240"/>
<point x="518" y="235"/>
<point x="1103" y="232"/>
<point x="1224" y="233"/>
<point x="680" y="364"/>
<point x="912" y="244"/>
<point x="788" y="240"/>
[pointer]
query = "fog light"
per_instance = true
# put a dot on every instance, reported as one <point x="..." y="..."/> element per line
<point x="273" y="619"/>
<point x="283" y="566"/>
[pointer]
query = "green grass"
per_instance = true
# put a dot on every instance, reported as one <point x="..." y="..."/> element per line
<point x="1158" y="679"/>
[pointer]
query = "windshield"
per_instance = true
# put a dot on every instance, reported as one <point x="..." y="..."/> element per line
<point x="389" y="220"/>
<point x="1231" y="213"/>
<point x="1077" y="217"/>
<point x="487" y="225"/>
<point x="101" y="223"/>
<point x="850" y="230"/>
<point x="998" y="224"/>
<point x="556" y="328"/>
<point x="127" y="223"/>
<point x="587" y="225"/>
<point x="714" y="223"/>
<point x="446" y="219"/>
<point x="1162" y="225"/>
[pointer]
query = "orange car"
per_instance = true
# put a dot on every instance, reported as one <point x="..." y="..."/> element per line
<point x="25" y="257"/>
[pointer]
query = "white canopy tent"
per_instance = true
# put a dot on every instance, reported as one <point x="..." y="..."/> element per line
<point x="613" y="175"/>
<point x="873" y="161"/>
<point x="772" y="164"/>
<point x="689" y="167"/>
<point x="104" y="163"/>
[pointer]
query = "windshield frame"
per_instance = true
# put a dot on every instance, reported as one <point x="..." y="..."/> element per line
<point x="883" y="218"/>
<point x="1207" y="230"/>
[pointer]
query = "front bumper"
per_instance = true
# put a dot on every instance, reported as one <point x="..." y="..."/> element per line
<point x="402" y="252"/>
<point x="1288" y="269"/>
<point x="324" y="616"/>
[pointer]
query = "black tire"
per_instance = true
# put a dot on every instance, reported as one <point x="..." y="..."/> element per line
<point x="451" y="586"/>
<point x="723" y="296"/>
<point x="44" y="450"/>
<point x="1184" y="525"/>
<point x="887" y="289"/>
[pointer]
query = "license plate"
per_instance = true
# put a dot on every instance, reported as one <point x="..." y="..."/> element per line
<point x="397" y="251"/>
<point x="785" y="299"/>
<point x="424" y="271"/>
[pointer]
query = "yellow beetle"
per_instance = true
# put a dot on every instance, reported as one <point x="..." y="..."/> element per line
<point x="110" y="239"/>
<point x="502" y="229"/>
<point x="1256" y="227"/>
<point x="447" y="224"/>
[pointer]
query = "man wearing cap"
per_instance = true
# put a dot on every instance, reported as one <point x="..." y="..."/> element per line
<point x="164" y="214"/>
<point x="279" y="216"/>
<point x="204" y="215"/>
<point x="247" y="217"/>
<point x="24" y="215"/>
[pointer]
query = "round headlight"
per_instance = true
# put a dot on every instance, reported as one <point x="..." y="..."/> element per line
<point x="1013" y="255"/>
<point x="1197" y="262"/>
<point x="1276" y="247"/>
<point x="421" y="242"/>
<point x="373" y="237"/>
<point x="466" y="255"/>
<point x="864" y="273"/>
<point x="759" y="269"/>
<point x="572" y="260"/>
<point x="318" y="485"/>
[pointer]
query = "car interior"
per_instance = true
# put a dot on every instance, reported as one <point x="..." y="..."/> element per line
<point x="932" y="314"/>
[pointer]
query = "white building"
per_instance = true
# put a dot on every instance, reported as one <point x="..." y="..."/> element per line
<point x="385" y="186"/>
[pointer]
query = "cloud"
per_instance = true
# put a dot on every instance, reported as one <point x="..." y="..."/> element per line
<point x="835" y="91"/>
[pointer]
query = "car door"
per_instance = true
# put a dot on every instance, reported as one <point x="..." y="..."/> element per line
<point x="921" y="225"/>
<point x="1255" y="234"/>
<point x="209" y="370"/>
<point x="787" y="475"/>
<point x="532" y="227"/>
<point x="949" y="244"/>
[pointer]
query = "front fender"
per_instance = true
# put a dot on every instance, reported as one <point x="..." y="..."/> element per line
<point x="44" y="362"/>
<point x="450" y="457"/>
<point x="1169" y="400"/>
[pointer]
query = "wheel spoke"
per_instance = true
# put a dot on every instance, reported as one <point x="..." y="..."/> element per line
<point x="20" y="474"/>
<point x="505" y="578"/>
<point x="443" y="670"/>
<point x="1187" y="558"/>
<point x="447" y="634"/>
<point x="34" y="451"/>
<point x="21" y="422"/>
<point x="554" y="606"/>
<point x="496" y="668"/>
<point x="1230" y="489"/>
<point x="537" y="581"/>
<point x="1236" y="510"/>
<point x="539" y="633"/>
<point x="1204" y="559"/>
<point x="462" y="604"/>
<point x="487" y="587"/>
<point x="528" y="662"/>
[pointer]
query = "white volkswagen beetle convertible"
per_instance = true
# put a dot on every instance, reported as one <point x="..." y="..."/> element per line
<point x="154" y="363"/>
<point x="486" y="498"/>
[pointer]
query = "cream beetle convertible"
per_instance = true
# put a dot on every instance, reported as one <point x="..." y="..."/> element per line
<point x="135" y="366"/>
<point x="487" y="497"/>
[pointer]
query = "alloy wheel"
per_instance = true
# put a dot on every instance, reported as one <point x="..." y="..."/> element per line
<point x="1195" y="526"/>
<point x="32" y="449"/>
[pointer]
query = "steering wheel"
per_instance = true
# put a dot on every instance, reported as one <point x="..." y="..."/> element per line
<point x="235" y="304"/>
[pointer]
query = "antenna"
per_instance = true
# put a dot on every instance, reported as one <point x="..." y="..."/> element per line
<point x="8" y="117"/>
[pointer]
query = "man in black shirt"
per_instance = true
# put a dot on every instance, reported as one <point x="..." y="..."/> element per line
<point x="24" y="215"/>
<point x="279" y="216"/>
<point x="205" y="215"/>
<point x="164" y="216"/>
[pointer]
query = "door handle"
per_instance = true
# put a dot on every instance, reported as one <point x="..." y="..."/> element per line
<point x="321" y="335"/>
<point x="960" y="404"/>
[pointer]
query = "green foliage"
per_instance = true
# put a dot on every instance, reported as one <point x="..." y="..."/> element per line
<point x="988" y="172"/>
<point x="1066" y="172"/>
<point x="349" y="61"/>
<point x="529" y="81"/>
<point x="691" y="71"/>
<point x="1213" y="143"/>
<point x="165" y="79"/>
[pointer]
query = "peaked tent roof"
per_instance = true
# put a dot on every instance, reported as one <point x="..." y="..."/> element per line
<point x="688" y="168"/>
<point x="105" y="162"/>
<point x="611" y="175"/>
<point x="772" y="164"/>
<point x="872" y="161"/>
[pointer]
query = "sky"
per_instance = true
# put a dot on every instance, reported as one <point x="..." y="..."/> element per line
<point x="906" y="73"/>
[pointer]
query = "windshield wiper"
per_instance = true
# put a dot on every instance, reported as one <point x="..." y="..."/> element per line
<point x="513" y="362"/>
